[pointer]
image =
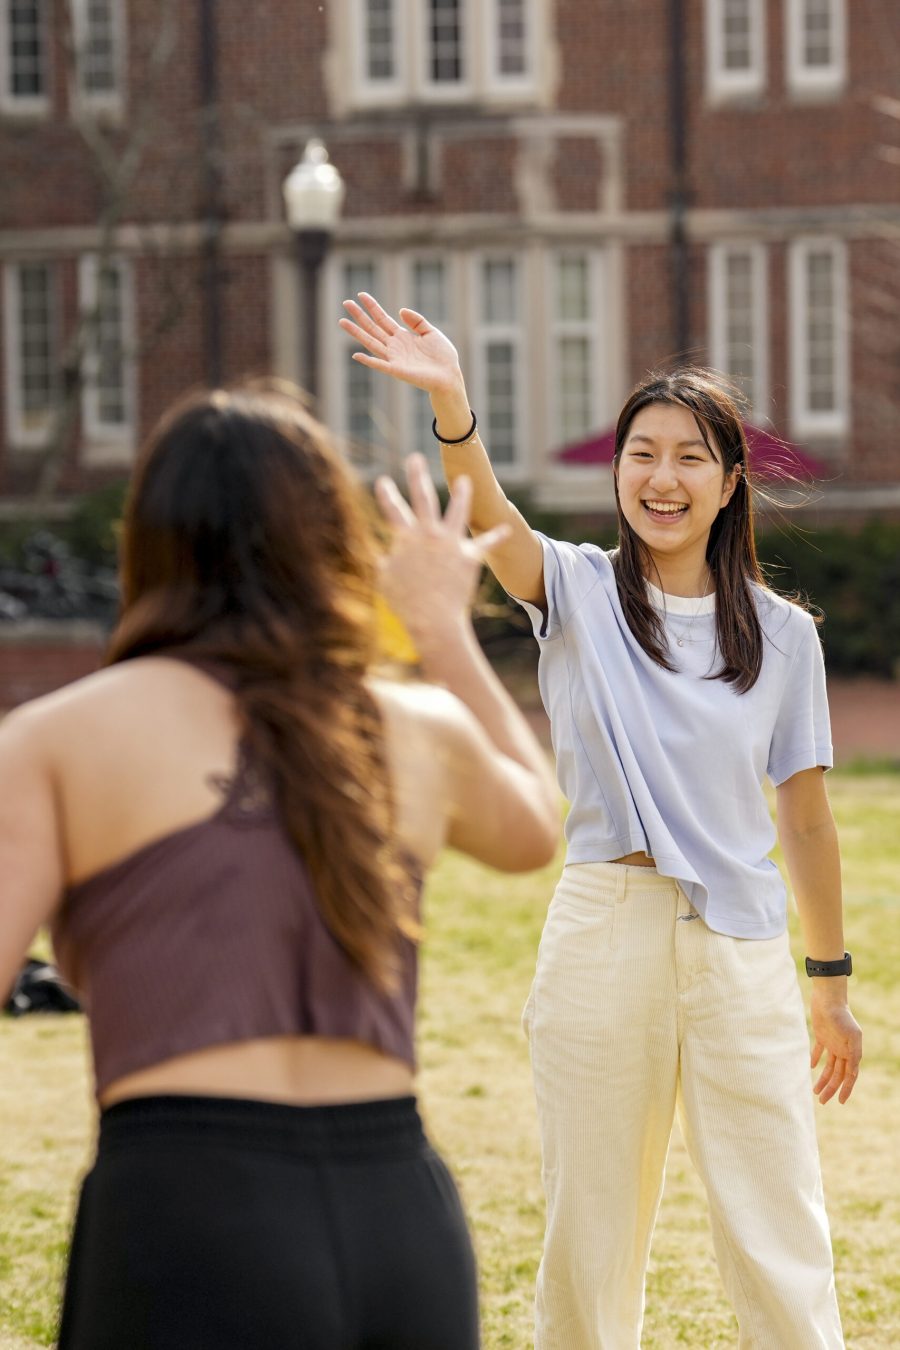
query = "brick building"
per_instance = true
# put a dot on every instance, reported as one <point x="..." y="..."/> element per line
<point x="576" y="190"/>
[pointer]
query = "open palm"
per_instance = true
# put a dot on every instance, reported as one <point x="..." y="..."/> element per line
<point x="413" y="351"/>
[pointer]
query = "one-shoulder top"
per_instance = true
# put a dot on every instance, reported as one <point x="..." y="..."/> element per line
<point x="212" y="935"/>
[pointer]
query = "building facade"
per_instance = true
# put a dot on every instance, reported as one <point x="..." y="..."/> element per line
<point x="575" y="190"/>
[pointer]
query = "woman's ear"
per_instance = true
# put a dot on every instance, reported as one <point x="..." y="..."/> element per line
<point x="731" y="481"/>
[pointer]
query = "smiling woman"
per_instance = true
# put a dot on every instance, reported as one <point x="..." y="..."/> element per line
<point x="676" y="681"/>
<point x="686" y="514"/>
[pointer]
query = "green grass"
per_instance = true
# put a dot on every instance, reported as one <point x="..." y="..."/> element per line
<point x="483" y="931"/>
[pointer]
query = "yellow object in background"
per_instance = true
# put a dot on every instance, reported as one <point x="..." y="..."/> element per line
<point x="393" y="639"/>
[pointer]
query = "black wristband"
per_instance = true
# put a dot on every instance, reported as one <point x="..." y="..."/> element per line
<point x="842" y="967"/>
<point x="459" y="439"/>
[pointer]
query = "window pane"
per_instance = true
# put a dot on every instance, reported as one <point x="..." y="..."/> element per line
<point x="501" y="395"/>
<point x="360" y="384"/>
<point x="737" y="41"/>
<point x="36" y="356"/>
<point x="573" y="289"/>
<point x="429" y="297"/>
<point x="27" y="56"/>
<point x="380" y="40"/>
<point x="575" y="362"/>
<point x="498" y="297"/>
<point x="98" y="53"/>
<point x="821" y="332"/>
<point x="111" y="397"/>
<point x="430" y="291"/>
<point x="512" y="37"/>
<point x="818" y="49"/>
<point x="445" y="41"/>
<point x="359" y="276"/>
<point x="739" y="322"/>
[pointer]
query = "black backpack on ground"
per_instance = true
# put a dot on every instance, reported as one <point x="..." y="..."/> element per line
<point x="39" y="988"/>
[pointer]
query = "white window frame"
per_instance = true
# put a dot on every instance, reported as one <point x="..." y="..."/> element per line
<point x="807" y="421"/>
<point x="718" y="317"/>
<point x="815" y="80"/>
<point x="109" y="101"/>
<point x="19" y="435"/>
<point x="440" y="91"/>
<point x="512" y="331"/>
<point x="24" y="105"/>
<point x="592" y="328"/>
<point x="494" y="79"/>
<point x="723" y="84"/>
<point x="379" y="91"/>
<point x="412" y="81"/>
<point x="108" y="441"/>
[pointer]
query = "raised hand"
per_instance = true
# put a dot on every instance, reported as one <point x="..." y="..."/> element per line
<point x="415" y="351"/>
<point x="430" y="574"/>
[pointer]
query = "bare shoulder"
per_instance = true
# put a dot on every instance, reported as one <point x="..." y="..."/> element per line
<point x="102" y="705"/>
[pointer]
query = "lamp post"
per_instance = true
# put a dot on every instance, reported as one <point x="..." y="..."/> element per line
<point x="313" y="196"/>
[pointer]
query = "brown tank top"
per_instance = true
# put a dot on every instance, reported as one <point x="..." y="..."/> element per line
<point x="212" y="935"/>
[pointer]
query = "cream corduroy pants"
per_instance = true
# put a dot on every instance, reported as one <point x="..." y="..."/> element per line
<point x="638" y="1008"/>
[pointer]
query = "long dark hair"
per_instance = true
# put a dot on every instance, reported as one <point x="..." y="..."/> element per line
<point x="246" y="544"/>
<point x="731" y="550"/>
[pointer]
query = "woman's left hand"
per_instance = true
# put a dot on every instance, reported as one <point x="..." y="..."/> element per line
<point x="838" y="1036"/>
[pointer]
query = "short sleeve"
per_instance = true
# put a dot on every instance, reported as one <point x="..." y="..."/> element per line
<point x="802" y="735"/>
<point x="570" y="572"/>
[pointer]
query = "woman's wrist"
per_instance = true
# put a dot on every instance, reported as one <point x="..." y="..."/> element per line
<point x="830" y="989"/>
<point x="452" y="413"/>
<point x="435" y="640"/>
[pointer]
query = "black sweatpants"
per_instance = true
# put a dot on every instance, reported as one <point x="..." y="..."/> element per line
<point x="222" y="1224"/>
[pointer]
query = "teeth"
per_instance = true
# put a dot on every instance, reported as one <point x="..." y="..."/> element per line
<point x="667" y="508"/>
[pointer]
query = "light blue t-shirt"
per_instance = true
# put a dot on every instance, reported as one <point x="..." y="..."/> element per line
<point x="669" y="763"/>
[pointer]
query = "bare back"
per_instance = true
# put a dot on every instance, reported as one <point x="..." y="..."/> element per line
<point x="135" y="752"/>
<point x="138" y="752"/>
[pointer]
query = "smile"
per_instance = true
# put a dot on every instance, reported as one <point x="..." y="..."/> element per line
<point x="665" y="510"/>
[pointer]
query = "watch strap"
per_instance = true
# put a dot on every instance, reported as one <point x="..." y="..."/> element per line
<point x="842" y="967"/>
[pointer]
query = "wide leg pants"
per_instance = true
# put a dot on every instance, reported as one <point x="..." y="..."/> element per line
<point x="638" y="1008"/>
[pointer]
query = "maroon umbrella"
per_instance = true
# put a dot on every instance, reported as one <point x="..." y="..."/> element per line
<point x="770" y="457"/>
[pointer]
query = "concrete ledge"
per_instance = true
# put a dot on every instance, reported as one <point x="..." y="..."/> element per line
<point x="53" y="632"/>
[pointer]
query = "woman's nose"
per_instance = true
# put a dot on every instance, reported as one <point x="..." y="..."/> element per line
<point x="664" y="478"/>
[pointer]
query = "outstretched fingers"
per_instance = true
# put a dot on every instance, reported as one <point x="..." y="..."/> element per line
<point x="456" y="517"/>
<point x="379" y="315"/>
<point x="392" y="504"/>
<point x="361" y="330"/>
<point x="422" y="492"/>
<point x="491" y="539"/>
<point x="416" y="321"/>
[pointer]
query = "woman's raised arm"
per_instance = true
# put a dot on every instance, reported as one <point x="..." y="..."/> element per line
<point x="417" y="353"/>
<point x="501" y="802"/>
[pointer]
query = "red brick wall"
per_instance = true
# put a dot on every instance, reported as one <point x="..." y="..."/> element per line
<point x="613" y="60"/>
<point x="33" y="665"/>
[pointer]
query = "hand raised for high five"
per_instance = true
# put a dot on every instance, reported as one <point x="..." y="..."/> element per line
<point x="415" y="351"/>
<point x="431" y="572"/>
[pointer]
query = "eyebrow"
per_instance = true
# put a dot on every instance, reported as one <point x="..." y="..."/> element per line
<point x="681" y="445"/>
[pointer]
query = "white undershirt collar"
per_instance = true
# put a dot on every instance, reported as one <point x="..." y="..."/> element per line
<point x="689" y="605"/>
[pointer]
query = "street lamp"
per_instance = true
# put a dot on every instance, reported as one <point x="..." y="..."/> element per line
<point x="313" y="195"/>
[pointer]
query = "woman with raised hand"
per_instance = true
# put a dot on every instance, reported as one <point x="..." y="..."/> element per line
<point x="227" y="831"/>
<point x="676" y="681"/>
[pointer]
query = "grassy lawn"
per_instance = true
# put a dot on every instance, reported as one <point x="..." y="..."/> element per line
<point x="482" y="936"/>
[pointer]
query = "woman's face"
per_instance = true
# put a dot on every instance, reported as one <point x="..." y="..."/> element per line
<point x="671" y="485"/>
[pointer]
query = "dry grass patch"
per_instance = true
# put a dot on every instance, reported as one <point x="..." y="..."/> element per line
<point x="476" y="1092"/>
